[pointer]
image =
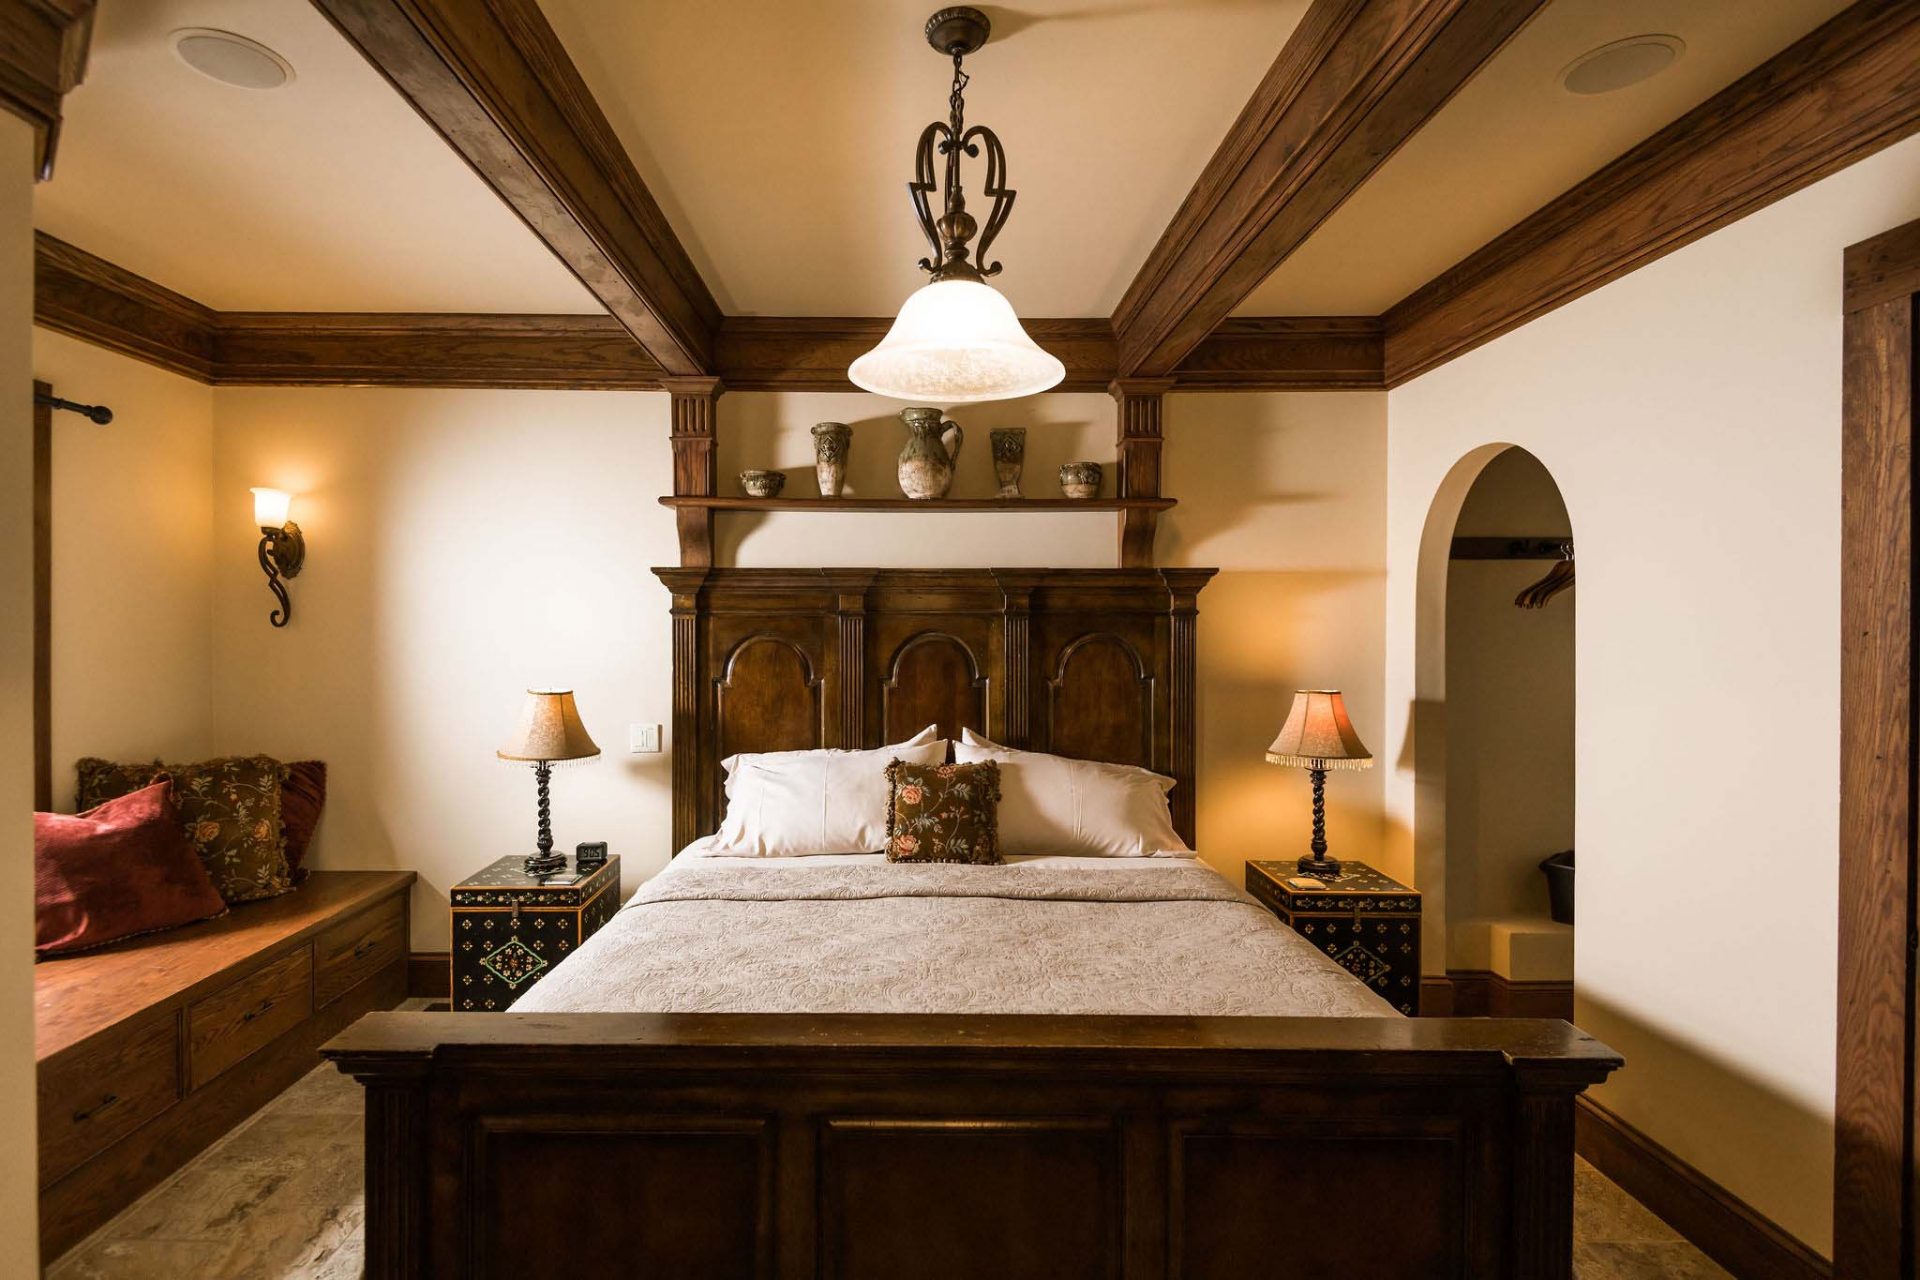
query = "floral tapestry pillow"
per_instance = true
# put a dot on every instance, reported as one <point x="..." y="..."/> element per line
<point x="229" y="808"/>
<point x="943" y="812"/>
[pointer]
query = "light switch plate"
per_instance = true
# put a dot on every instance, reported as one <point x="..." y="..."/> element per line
<point x="643" y="739"/>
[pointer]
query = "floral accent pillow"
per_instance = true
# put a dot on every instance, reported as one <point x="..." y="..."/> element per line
<point x="943" y="812"/>
<point x="229" y="807"/>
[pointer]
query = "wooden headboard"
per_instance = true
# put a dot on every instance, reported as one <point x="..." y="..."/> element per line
<point x="1092" y="663"/>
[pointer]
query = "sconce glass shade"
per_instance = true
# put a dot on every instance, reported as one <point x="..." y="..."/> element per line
<point x="956" y="342"/>
<point x="270" y="507"/>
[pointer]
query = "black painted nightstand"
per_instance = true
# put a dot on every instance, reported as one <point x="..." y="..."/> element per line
<point x="1369" y="924"/>
<point x="510" y="928"/>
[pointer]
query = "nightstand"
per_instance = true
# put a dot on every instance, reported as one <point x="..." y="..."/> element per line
<point x="1369" y="924"/>
<point x="510" y="928"/>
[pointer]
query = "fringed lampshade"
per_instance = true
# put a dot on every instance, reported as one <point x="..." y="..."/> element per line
<point x="549" y="731"/>
<point x="1318" y="734"/>
<point x="1317" y="737"/>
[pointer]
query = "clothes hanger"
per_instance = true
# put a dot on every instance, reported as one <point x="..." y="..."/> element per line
<point x="1558" y="579"/>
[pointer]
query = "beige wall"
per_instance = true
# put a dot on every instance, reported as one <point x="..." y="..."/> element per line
<point x="461" y="547"/>
<point x="464" y="545"/>
<point x="1690" y="414"/>
<point x="19" y="1205"/>
<point x="1509" y="699"/>
<point x="133" y="561"/>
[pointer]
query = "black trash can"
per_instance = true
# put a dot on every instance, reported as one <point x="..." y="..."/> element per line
<point x="1559" y="873"/>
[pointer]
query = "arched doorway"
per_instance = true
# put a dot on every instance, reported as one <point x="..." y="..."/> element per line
<point x="1494" y="748"/>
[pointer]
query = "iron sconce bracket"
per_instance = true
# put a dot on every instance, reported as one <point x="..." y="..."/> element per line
<point x="282" y="552"/>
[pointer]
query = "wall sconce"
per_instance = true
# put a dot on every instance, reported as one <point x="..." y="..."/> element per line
<point x="282" y="548"/>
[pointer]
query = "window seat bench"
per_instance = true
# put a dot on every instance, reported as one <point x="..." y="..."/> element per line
<point x="152" y="1048"/>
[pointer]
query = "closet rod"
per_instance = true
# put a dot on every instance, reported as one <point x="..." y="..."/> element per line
<point x="1551" y="548"/>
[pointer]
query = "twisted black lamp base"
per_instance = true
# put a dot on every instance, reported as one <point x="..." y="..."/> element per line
<point x="1318" y="863"/>
<point x="546" y="862"/>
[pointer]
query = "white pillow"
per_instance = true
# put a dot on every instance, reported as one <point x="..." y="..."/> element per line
<point x="1051" y="804"/>
<point x="788" y="804"/>
<point x="733" y="762"/>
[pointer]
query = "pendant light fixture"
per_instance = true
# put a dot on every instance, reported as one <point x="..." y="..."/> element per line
<point x="957" y="340"/>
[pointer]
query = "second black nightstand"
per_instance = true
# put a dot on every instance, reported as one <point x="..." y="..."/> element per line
<point x="1369" y="924"/>
<point x="510" y="929"/>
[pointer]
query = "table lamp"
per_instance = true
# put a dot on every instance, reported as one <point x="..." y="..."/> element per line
<point x="549" y="731"/>
<point x="1318" y="736"/>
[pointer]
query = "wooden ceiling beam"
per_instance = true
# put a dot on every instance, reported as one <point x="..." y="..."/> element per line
<point x="494" y="80"/>
<point x="1354" y="82"/>
<point x="43" y="55"/>
<point x="1847" y="89"/>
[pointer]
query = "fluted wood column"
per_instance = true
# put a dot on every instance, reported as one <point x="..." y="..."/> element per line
<point x="1137" y="403"/>
<point x="695" y="417"/>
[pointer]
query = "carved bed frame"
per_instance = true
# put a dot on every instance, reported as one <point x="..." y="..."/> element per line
<point x="884" y="1146"/>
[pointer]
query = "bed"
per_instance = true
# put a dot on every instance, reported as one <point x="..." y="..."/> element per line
<point x="1059" y="1067"/>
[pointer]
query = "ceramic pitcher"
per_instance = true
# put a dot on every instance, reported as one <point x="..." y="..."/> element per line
<point x="926" y="464"/>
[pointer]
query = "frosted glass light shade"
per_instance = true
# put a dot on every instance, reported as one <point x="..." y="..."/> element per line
<point x="956" y="342"/>
<point x="270" y="507"/>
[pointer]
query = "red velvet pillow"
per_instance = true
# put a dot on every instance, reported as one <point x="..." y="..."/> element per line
<point x="114" y="871"/>
<point x="301" y="797"/>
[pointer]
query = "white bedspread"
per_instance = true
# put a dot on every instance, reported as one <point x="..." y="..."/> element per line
<point x="853" y="934"/>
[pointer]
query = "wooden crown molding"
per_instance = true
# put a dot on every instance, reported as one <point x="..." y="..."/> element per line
<point x="43" y="55"/>
<point x="1847" y="89"/>
<point x="494" y="80"/>
<point x="1316" y="353"/>
<point x="1356" y="79"/>
<point x="89" y="298"/>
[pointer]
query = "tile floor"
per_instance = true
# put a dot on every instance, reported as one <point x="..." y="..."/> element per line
<point x="281" y="1197"/>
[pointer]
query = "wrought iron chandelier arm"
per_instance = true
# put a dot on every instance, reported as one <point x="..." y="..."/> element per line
<point x="922" y="186"/>
<point x="996" y="189"/>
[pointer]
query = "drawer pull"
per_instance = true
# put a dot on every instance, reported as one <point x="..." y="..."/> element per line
<point x="251" y="1014"/>
<point x="366" y="948"/>
<point x="81" y="1117"/>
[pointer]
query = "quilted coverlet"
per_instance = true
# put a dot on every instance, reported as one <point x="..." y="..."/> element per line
<point x="726" y="935"/>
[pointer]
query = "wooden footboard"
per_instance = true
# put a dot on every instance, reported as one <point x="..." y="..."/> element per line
<point x="880" y="1146"/>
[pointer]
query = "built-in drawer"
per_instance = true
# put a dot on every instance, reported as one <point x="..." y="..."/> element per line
<point x="249" y="1014"/>
<point x="354" y="950"/>
<point x="97" y="1095"/>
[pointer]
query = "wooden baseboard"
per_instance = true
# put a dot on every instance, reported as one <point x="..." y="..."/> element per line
<point x="429" y="974"/>
<point x="1478" y="993"/>
<point x="1720" y="1224"/>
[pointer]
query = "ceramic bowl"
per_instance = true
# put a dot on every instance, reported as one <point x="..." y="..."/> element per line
<point x="1080" y="479"/>
<point x="763" y="484"/>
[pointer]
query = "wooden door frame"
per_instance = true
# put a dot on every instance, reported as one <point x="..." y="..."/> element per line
<point x="1876" y="1164"/>
<point x="42" y="598"/>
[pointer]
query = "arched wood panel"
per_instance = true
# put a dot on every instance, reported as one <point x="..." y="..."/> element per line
<point x="933" y="678"/>
<point x="1100" y="701"/>
<point x="767" y="698"/>
<point x="1093" y="663"/>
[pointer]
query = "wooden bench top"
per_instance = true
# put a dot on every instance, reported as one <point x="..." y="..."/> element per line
<point x="78" y="996"/>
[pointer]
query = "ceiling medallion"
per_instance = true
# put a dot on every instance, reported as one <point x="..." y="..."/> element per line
<point x="957" y="340"/>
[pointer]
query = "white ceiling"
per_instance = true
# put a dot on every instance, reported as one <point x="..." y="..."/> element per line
<point x="329" y="194"/>
<point x="1512" y="139"/>
<point x="778" y="137"/>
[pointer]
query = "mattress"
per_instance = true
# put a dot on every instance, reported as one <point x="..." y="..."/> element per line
<point x="1038" y="935"/>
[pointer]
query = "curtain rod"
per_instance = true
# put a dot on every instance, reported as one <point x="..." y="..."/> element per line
<point x="98" y="412"/>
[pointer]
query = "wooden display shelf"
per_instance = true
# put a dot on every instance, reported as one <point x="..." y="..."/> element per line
<point x="742" y="503"/>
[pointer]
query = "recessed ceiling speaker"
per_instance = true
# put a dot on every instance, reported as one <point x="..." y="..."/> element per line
<point x="1622" y="63"/>
<point x="231" y="59"/>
